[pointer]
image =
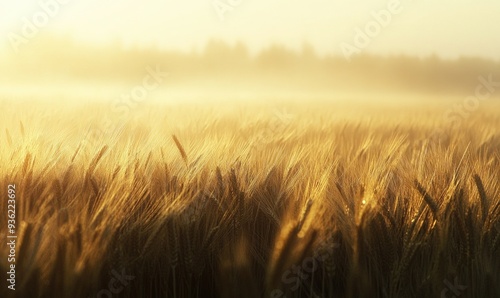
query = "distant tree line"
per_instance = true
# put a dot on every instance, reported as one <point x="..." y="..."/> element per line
<point x="51" y="57"/>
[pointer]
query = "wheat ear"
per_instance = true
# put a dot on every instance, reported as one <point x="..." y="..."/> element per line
<point x="181" y="149"/>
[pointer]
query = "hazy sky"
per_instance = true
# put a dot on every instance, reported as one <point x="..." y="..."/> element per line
<point x="446" y="27"/>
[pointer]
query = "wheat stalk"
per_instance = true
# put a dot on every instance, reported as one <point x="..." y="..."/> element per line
<point x="427" y="198"/>
<point x="9" y="138"/>
<point x="482" y="195"/>
<point x="96" y="160"/>
<point x="181" y="149"/>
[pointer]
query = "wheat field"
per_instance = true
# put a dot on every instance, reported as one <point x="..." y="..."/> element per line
<point x="255" y="200"/>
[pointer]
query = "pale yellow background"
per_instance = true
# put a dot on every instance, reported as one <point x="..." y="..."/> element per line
<point x="449" y="28"/>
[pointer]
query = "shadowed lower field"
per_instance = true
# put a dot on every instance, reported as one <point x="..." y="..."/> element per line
<point x="288" y="200"/>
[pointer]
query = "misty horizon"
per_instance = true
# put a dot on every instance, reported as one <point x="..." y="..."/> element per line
<point x="57" y="62"/>
<point x="417" y="28"/>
